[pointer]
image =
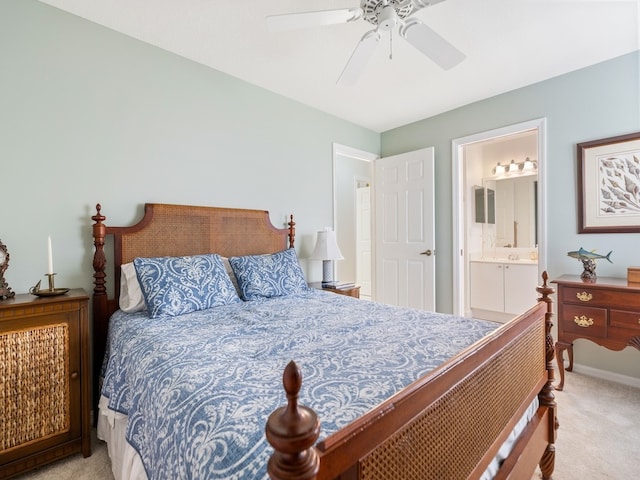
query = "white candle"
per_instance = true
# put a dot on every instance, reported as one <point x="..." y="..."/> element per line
<point x="50" y="256"/>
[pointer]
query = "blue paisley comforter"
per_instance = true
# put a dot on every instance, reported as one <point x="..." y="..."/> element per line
<point x="199" y="387"/>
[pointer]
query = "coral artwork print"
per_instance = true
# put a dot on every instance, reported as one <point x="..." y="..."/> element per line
<point x="619" y="180"/>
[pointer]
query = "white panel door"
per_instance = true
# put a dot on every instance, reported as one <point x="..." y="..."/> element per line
<point x="404" y="230"/>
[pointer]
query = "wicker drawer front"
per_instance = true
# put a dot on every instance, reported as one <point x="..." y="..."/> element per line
<point x="587" y="321"/>
<point x="599" y="297"/>
<point x="624" y="319"/>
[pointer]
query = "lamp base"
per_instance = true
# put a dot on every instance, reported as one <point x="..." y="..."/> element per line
<point x="327" y="272"/>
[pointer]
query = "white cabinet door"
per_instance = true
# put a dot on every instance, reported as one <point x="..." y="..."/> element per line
<point x="486" y="286"/>
<point x="520" y="283"/>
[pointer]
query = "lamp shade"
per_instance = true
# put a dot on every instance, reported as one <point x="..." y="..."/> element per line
<point x="326" y="246"/>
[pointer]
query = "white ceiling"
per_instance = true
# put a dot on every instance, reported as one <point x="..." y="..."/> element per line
<point x="508" y="44"/>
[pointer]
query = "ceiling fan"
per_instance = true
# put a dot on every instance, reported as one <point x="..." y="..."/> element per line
<point x="384" y="15"/>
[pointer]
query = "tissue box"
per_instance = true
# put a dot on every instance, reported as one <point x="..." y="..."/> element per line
<point x="633" y="274"/>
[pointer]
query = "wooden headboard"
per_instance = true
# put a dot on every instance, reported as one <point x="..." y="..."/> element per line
<point x="174" y="230"/>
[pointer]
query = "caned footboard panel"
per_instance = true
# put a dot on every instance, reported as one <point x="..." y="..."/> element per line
<point x="457" y="435"/>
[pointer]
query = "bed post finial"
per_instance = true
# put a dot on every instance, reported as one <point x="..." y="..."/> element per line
<point x="99" y="259"/>
<point x="292" y="231"/>
<point x="546" y="395"/>
<point x="292" y="431"/>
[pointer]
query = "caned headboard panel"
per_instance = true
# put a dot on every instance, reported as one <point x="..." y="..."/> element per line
<point x="174" y="230"/>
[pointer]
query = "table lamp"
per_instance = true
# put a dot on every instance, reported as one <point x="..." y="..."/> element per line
<point x="326" y="250"/>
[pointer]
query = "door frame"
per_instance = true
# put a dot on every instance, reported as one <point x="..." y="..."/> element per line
<point x="460" y="259"/>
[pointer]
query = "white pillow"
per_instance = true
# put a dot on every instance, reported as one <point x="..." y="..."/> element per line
<point x="231" y="274"/>
<point x="131" y="297"/>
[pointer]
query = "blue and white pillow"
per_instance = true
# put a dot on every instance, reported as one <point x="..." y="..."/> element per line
<point x="271" y="275"/>
<point x="178" y="285"/>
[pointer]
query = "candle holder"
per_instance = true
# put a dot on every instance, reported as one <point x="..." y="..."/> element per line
<point x="52" y="291"/>
<point x="51" y="283"/>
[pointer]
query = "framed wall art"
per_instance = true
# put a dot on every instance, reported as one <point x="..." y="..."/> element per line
<point x="609" y="185"/>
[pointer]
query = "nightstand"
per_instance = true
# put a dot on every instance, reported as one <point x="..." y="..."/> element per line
<point x="44" y="373"/>
<point x="352" y="291"/>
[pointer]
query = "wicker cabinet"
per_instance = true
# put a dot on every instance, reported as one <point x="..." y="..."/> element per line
<point x="44" y="380"/>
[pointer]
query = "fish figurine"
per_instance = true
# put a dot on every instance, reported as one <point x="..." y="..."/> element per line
<point x="583" y="254"/>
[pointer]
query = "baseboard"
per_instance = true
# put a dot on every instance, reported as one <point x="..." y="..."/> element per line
<point x="606" y="375"/>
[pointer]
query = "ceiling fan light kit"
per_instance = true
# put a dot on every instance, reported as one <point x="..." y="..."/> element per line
<point x="385" y="15"/>
<point x="387" y="18"/>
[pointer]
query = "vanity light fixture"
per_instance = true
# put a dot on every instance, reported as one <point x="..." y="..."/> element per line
<point x="528" y="166"/>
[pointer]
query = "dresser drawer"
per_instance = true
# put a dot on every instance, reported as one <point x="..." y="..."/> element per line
<point x="587" y="321"/>
<point x="626" y="320"/>
<point x="600" y="297"/>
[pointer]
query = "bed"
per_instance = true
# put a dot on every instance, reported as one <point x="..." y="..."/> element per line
<point x="456" y="398"/>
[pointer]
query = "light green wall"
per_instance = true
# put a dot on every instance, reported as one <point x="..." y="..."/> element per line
<point x="593" y="103"/>
<point x="88" y="115"/>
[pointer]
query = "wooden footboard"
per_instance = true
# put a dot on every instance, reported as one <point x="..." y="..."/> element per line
<point x="449" y="424"/>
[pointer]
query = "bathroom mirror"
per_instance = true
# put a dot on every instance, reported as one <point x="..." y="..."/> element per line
<point x="485" y="207"/>
<point x="515" y="210"/>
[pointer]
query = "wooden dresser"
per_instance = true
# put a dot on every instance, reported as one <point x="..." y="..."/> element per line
<point x="605" y="311"/>
<point x="44" y="380"/>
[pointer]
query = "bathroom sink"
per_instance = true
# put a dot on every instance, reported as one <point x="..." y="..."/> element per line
<point x="522" y="261"/>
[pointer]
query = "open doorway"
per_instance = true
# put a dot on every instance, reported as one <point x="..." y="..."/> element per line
<point x="492" y="239"/>
<point x="353" y="213"/>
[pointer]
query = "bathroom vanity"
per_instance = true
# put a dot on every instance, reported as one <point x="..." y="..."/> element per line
<point x="501" y="288"/>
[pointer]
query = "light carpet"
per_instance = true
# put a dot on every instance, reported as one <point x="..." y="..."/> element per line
<point x="598" y="437"/>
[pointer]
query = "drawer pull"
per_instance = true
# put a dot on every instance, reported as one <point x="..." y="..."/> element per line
<point x="583" y="321"/>
<point x="584" y="296"/>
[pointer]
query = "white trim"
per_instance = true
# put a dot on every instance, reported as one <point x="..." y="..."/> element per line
<point x="457" y="147"/>
<point x="603" y="375"/>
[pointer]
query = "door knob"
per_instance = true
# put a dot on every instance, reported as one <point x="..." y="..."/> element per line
<point x="428" y="253"/>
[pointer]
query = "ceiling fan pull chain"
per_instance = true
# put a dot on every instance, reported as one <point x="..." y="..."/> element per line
<point x="390" y="44"/>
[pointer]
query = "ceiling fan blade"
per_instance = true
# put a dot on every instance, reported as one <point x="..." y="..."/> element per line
<point x="359" y="58"/>
<point x="418" y="4"/>
<point x="290" y="21"/>
<point x="431" y="44"/>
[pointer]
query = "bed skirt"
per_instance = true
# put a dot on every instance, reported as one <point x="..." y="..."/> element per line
<point x="126" y="464"/>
